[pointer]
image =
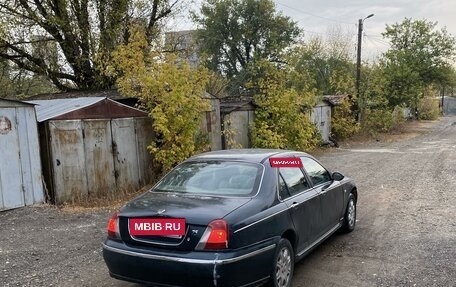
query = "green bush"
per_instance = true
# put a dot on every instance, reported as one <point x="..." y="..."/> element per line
<point x="170" y="89"/>
<point x="428" y="109"/>
<point x="377" y="120"/>
<point x="280" y="118"/>
<point x="343" y="122"/>
<point x="398" y="118"/>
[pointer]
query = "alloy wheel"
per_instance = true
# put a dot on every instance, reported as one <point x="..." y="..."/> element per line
<point x="351" y="213"/>
<point x="283" y="267"/>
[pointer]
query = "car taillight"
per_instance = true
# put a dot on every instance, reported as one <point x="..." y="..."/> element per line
<point x="215" y="236"/>
<point x="113" y="226"/>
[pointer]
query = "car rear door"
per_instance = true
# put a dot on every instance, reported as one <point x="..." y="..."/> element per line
<point x="303" y="203"/>
<point x="331" y="192"/>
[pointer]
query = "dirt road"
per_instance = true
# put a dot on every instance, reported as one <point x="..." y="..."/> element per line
<point x="405" y="236"/>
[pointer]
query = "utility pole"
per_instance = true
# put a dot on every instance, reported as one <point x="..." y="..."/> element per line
<point x="358" y="58"/>
<point x="358" y="67"/>
<point x="443" y="100"/>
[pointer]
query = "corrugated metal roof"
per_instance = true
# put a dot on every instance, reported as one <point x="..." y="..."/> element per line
<point x="111" y="94"/>
<point x="48" y="109"/>
<point x="9" y="102"/>
<point x="334" y="100"/>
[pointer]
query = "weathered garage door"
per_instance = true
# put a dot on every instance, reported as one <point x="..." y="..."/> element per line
<point x="321" y="117"/>
<point x="20" y="167"/>
<point x="99" y="156"/>
<point x="144" y="136"/>
<point x="70" y="176"/>
<point x="126" y="157"/>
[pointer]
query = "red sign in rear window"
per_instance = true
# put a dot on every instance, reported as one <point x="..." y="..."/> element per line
<point x="285" y="162"/>
<point x="157" y="226"/>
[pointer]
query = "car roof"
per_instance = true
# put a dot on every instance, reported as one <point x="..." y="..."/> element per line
<point x="252" y="155"/>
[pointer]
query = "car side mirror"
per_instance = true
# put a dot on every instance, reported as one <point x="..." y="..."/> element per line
<point x="337" y="176"/>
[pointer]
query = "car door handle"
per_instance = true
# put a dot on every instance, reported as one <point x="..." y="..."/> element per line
<point x="294" y="204"/>
<point x="324" y="189"/>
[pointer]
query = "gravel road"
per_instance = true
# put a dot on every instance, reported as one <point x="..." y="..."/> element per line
<point x="405" y="236"/>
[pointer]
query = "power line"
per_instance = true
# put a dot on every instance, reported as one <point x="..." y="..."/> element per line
<point x="381" y="41"/>
<point x="312" y="32"/>
<point x="314" y="15"/>
<point x="379" y="49"/>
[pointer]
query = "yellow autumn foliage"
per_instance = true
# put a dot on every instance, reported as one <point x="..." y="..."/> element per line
<point x="170" y="90"/>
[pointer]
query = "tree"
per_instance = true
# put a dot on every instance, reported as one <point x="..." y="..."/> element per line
<point x="420" y="55"/>
<point x="330" y="71"/>
<point x="327" y="61"/>
<point x="377" y="113"/>
<point x="282" y="115"/>
<point x="234" y="34"/>
<point x="85" y="32"/>
<point x="170" y="90"/>
<point x="16" y="83"/>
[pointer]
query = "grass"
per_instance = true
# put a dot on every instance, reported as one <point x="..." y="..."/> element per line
<point x="110" y="201"/>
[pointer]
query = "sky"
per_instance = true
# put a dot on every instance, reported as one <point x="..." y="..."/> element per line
<point x="318" y="18"/>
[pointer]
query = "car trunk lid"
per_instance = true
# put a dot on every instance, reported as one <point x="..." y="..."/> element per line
<point x="198" y="211"/>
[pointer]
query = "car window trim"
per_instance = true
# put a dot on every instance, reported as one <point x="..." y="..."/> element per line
<point x="312" y="188"/>
<point x="305" y="171"/>
<point x="215" y="195"/>
<point x="279" y="175"/>
<point x="305" y="177"/>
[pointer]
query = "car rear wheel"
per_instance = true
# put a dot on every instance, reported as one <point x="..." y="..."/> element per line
<point x="282" y="272"/>
<point x="350" y="215"/>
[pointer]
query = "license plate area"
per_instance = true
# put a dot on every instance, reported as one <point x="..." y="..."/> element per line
<point x="160" y="227"/>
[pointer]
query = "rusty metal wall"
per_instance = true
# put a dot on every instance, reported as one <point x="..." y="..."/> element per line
<point x="144" y="137"/>
<point x="210" y="124"/>
<point x="99" y="165"/>
<point x="68" y="163"/>
<point x="20" y="167"/>
<point x="99" y="156"/>
<point x="213" y="121"/>
<point x="126" y="161"/>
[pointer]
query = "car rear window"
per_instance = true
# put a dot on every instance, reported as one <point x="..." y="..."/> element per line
<point x="225" y="178"/>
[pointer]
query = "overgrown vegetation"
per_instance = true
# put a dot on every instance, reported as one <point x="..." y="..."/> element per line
<point x="428" y="108"/>
<point x="230" y="133"/>
<point x="282" y="115"/>
<point x="247" y="47"/>
<point x="343" y="123"/>
<point x="420" y="58"/>
<point x="170" y="90"/>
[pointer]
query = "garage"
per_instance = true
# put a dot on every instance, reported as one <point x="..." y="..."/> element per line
<point x="20" y="167"/>
<point x="93" y="146"/>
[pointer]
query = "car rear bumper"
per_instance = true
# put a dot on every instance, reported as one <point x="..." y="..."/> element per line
<point x="237" y="268"/>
